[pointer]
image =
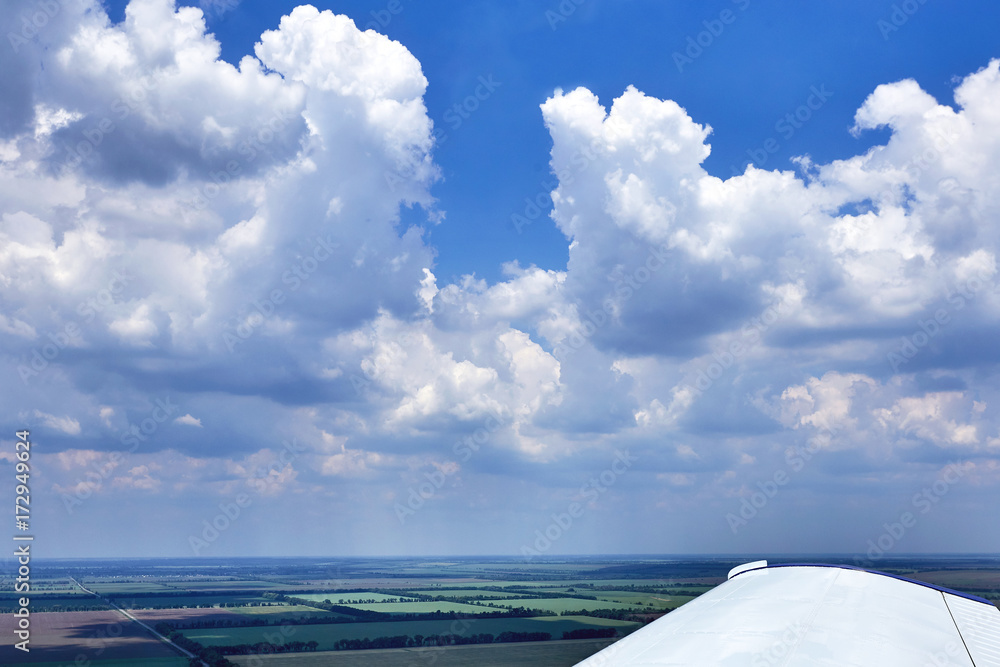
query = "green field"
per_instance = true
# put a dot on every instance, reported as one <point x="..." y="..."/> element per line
<point x="127" y="589"/>
<point x="200" y="585"/>
<point x="287" y="611"/>
<point x="328" y="635"/>
<point x="95" y="635"/>
<point x="426" y="607"/>
<point x="632" y="588"/>
<point x="985" y="581"/>
<point x="173" y="601"/>
<point x="582" y="585"/>
<point x="55" y="586"/>
<point x="466" y="593"/>
<point x="349" y="598"/>
<point x="559" y="605"/>
<point x="535" y="654"/>
<point x="143" y="662"/>
<point x="644" y="599"/>
<point x="52" y="602"/>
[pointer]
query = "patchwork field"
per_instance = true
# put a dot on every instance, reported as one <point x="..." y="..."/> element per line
<point x="232" y="615"/>
<point x="154" y="616"/>
<point x="560" y="605"/>
<point x="247" y="602"/>
<point x="126" y="662"/>
<point x="83" y="637"/>
<point x="52" y="602"/>
<point x="974" y="581"/>
<point x="535" y="654"/>
<point x="138" y="601"/>
<point x="353" y="598"/>
<point x="241" y="584"/>
<point x="117" y="589"/>
<point x="284" y="612"/>
<point x="641" y="599"/>
<point x="426" y="607"/>
<point x="328" y="635"/>
<point x="466" y="593"/>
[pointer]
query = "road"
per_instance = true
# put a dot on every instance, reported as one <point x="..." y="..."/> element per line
<point x="183" y="651"/>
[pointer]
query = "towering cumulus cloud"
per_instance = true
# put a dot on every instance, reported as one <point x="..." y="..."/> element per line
<point x="206" y="288"/>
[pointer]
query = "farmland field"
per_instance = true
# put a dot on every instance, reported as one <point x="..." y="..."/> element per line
<point x="633" y="592"/>
<point x="95" y="635"/>
<point x="350" y="598"/>
<point x="424" y="607"/>
<point x="466" y="593"/>
<point x="233" y="615"/>
<point x="52" y="602"/>
<point x="644" y="599"/>
<point x="285" y="611"/>
<point x="127" y="662"/>
<point x="115" y="589"/>
<point x="171" y="601"/>
<point x="559" y="605"/>
<point x="227" y="585"/>
<point x="535" y="654"/>
<point x="328" y="635"/>
<point x="986" y="581"/>
<point x="585" y="583"/>
<point x="154" y="616"/>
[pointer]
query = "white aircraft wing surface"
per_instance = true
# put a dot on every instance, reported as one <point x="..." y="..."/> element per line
<point x="816" y="615"/>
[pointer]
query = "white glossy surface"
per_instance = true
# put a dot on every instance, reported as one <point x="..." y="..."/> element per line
<point x="746" y="566"/>
<point x="810" y="616"/>
<point x="980" y="628"/>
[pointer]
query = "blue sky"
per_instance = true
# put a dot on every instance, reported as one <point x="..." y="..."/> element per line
<point x="289" y="281"/>
<point x="757" y="70"/>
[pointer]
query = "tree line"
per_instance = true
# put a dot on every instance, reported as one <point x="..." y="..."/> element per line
<point x="215" y="655"/>
<point x="210" y="656"/>
<point x="400" y="641"/>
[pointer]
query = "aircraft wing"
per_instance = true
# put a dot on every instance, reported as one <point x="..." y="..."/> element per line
<point x="816" y="615"/>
